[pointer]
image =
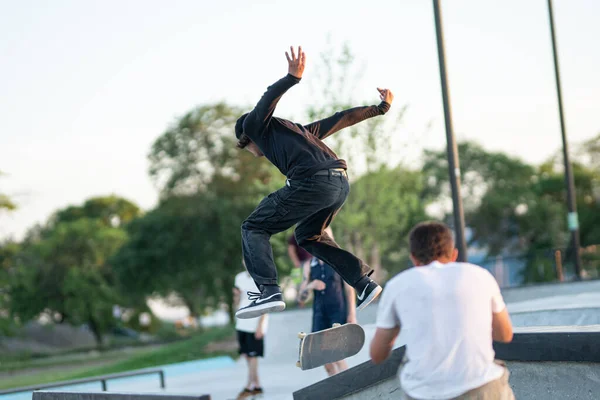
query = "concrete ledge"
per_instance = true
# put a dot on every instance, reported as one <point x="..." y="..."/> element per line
<point x="552" y="345"/>
<point x="559" y="350"/>
<point x="563" y="328"/>
<point x="54" y="395"/>
<point x="354" y="379"/>
<point x="554" y="380"/>
<point x="528" y="380"/>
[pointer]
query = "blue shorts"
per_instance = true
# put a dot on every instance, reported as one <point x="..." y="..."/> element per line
<point x="324" y="318"/>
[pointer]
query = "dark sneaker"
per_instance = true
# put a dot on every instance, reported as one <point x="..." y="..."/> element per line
<point x="257" y="390"/>
<point x="244" y="394"/>
<point x="268" y="300"/>
<point x="366" y="291"/>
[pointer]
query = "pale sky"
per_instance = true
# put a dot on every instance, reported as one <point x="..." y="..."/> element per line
<point x="86" y="87"/>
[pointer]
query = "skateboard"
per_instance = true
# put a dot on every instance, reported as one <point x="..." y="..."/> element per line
<point x="329" y="345"/>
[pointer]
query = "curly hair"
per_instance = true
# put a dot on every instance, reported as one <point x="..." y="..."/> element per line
<point x="430" y="241"/>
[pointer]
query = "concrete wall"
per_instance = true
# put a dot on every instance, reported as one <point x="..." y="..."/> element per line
<point x="388" y="389"/>
<point x="531" y="381"/>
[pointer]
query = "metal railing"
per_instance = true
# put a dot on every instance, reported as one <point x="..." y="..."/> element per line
<point x="102" y="379"/>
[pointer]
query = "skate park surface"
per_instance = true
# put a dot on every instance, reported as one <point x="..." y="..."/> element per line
<point x="555" y="354"/>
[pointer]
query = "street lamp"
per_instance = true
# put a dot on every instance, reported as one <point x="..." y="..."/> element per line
<point x="572" y="218"/>
<point x="453" y="164"/>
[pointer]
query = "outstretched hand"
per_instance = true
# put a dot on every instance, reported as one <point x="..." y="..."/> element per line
<point x="296" y="63"/>
<point x="386" y="95"/>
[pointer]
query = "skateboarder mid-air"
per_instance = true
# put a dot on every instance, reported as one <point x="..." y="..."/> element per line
<point x="316" y="188"/>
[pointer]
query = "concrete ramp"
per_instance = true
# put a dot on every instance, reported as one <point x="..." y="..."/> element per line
<point x="552" y="363"/>
<point x="53" y="395"/>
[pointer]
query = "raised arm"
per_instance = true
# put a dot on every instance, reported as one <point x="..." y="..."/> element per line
<point x="258" y="119"/>
<point x="343" y="119"/>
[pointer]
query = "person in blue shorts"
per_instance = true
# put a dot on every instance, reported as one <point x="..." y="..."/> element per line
<point x="334" y="301"/>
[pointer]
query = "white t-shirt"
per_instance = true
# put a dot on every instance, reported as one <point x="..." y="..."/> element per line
<point x="245" y="283"/>
<point x="445" y="315"/>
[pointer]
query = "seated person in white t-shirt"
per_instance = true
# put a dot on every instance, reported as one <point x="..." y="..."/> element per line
<point x="449" y="312"/>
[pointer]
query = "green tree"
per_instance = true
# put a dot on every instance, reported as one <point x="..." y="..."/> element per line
<point x="184" y="159"/>
<point x="66" y="274"/>
<point x="110" y="210"/>
<point x="166" y="254"/>
<point x="482" y="173"/>
<point x="588" y="153"/>
<point x="586" y="174"/>
<point x="9" y="250"/>
<point x="552" y="188"/>
<point x="378" y="215"/>
<point x="189" y="248"/>
<point x="5" y="202"/>
<point x="496" y="188"/>
<point x="515" y="207"/>
<point x="61" y="268"/>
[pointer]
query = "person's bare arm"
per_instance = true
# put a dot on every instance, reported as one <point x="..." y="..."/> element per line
<point x="343" y="119"/>
<point x="236" y="297"/>
<point x="293" y="255"/>
<point x="305" y="285"/>
<point x="305" y="274"/>
<point x="351" y="303"/>
<point x="315" y="284"/>
<point x="260" y="328"/>
<point x="502" y="330"/>
<point x="382" y="344"/>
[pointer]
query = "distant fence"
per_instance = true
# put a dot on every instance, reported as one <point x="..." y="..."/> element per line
<point x="542" y="266"/>
<point x="103" y="379"/>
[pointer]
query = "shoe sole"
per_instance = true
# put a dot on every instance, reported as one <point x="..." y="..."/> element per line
<point x="372" y="296"/>
<point x="260" y="309"/>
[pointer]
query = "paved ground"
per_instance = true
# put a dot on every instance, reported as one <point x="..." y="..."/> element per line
<point x="547" y="305"/>
<point x="278" y="371"/>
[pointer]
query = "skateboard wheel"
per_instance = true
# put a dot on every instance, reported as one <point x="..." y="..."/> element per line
<point x="336" y="325"/>
<point x="301" y="335"/>
<point x="298" y="364"/>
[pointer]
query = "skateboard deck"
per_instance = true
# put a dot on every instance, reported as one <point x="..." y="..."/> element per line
<point x="329" y="345"/>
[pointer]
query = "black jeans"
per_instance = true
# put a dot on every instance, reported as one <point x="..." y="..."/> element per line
<point x="312" y="203"/>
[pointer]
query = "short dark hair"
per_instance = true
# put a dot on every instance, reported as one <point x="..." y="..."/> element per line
<point x="430" y="241"/>
<point x="243" y="139"/>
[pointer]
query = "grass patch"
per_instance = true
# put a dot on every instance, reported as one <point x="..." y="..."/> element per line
<point x="183" y="350"/>
<point x="38" y="378"/>
<point x="13" y="366"/>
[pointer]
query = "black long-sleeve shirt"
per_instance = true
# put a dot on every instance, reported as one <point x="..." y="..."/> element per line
<point x="296" y="150"/>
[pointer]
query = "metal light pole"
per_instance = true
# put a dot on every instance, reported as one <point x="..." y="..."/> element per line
<point x="453" y="165"/>
<point x="572" y="216"/>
